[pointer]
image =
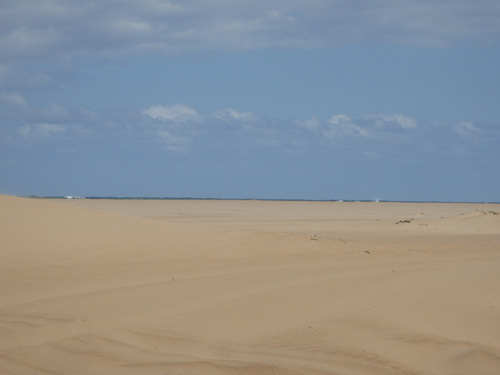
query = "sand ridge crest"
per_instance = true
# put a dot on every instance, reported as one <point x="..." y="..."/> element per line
<point x="477" y="222"/>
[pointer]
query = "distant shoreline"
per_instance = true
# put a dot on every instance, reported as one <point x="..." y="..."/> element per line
<point x="252" y="199"/>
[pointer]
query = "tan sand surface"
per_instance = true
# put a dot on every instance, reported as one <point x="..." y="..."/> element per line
<point x="177" y="287"/>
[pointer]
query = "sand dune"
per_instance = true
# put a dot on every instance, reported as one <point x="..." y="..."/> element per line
<point x="248" y="287"/>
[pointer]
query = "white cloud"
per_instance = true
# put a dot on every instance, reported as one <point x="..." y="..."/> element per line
<point x="311" y="123"/>
<point x="340" y="125"/>
<point x="365" y="126"/>
<point x="174" y="143"/>
<point x="14" y="101"/>
<point x="467" y="129"/>
<point x="230" y="114"/>
<point x="404" y="121"/>
<point x="339" y="119"/>
<point x="56" y="113"/>
<point x="89" y="115"/>
<point x="18" y="107"/>
<point x="25" y="42"/>
<point x="398" y="120"/>
<point x="177" y="114"/>
<point x="177" y="138"/>
<point x="131" y="27"/>
<point x="41" y="130"/>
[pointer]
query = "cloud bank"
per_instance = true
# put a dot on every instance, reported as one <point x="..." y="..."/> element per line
<point x="176" y="150"/>
<point x="182" y="128"/>
<point x="33" y="29"/>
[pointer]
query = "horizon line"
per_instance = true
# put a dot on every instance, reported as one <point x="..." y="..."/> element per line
<point x="250" y="199"/>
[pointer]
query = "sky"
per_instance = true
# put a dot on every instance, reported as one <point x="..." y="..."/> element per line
<point x="276" y="99"/>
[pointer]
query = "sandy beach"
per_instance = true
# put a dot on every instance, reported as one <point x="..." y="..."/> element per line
<point x="177" y="287"/>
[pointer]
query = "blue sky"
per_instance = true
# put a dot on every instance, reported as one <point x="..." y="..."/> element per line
<point x="323" y="99"/>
